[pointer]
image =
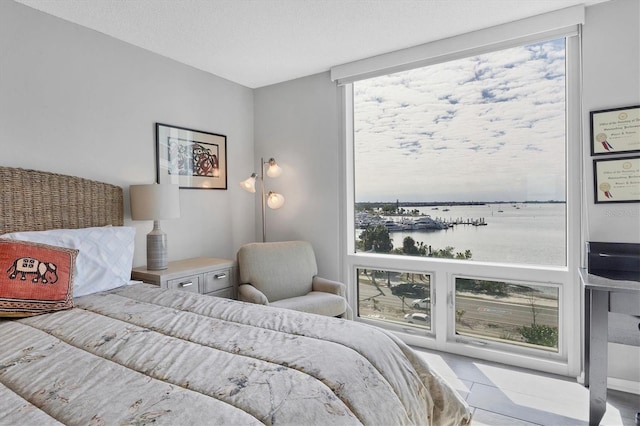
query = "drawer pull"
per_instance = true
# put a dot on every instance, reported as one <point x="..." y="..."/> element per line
<point x="220" y="276"/>
<point x="186" y="284"/>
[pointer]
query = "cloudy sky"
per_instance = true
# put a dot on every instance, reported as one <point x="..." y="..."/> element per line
<point x="485" y="128"/>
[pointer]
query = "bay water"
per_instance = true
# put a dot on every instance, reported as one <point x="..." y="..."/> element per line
<point x="526" y="233"/>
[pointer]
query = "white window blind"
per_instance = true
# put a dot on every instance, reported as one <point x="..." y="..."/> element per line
<point x="560" y="23"/>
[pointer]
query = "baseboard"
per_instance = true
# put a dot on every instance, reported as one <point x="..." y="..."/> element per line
<point x="622" y="385"/>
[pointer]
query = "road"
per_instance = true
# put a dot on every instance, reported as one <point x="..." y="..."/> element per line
<point x="499" y="311"/>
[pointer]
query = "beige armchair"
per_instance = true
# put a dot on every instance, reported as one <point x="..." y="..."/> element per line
<point x="284" y="274"/>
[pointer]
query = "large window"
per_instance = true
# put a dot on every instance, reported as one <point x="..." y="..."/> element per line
<point x="461" y="200"/>
<point x="465" y="159"/>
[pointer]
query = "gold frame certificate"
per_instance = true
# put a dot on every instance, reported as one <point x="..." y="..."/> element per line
<point x="615" y="131"/>
<point x="617" y="180"/>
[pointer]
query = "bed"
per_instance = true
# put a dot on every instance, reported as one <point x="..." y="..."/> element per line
<point x="138" y="354"/>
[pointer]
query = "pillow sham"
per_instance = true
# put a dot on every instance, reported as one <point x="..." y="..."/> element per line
<point x="105" y="259"/>
<point x="35" y="278"/>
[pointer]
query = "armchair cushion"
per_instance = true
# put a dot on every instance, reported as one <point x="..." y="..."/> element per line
<point x="315" y="302"/>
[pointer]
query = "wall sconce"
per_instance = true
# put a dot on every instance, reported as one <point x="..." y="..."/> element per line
<point x="155" y="202"/>
<point x="271" y="199"/>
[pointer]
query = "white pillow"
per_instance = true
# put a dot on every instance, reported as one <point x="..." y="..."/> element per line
<point x="105" y="258"/>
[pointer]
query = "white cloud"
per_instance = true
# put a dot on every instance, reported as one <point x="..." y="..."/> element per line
<point x="483" y="128"/>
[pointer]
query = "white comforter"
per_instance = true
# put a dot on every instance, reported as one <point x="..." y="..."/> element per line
<point x="140" y="355"/>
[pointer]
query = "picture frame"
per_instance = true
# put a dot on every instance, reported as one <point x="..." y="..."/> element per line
<point x="615" y="131"/>
<point x="192" y="159"/>
<point x="617" y="180"/>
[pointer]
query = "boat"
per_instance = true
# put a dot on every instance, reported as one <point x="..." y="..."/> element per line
<point x="393" y="226"/>
<point x="426" y="222"/>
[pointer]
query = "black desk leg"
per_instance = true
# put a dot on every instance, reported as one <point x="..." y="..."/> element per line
<point x="598" y="355"/>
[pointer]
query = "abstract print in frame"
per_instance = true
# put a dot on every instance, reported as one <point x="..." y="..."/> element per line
<point x="190" y="158"/>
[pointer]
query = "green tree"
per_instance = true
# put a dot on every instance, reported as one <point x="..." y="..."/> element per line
<point x="448" y="253"/>
<point x="540" y="335"/>
<point x="389" y="209"/>
<point x="376" y="238"/>
<point x="493" y="288"/>
<point x="409" y="246"/>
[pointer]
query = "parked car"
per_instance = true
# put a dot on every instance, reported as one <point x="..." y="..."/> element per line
<point x="409" y="290"/>
<point x="418" y="318"/>
<point x="421" y="303"/>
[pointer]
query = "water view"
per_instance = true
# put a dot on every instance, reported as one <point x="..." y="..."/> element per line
<point x="525" y="233"/>
<point x="482" y="128"/>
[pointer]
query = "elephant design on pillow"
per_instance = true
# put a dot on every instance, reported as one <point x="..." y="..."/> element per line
<point x="42" y="271"/>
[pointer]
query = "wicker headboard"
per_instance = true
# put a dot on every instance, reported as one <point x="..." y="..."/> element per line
<point x="32" y="200"/>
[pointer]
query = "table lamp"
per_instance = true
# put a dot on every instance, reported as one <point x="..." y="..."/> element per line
<point x="155" y="202"/>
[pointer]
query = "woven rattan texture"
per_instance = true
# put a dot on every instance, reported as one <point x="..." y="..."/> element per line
<point x="32" y="200"/>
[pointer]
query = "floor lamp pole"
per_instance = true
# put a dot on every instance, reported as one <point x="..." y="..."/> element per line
<point x="264" y="202"/>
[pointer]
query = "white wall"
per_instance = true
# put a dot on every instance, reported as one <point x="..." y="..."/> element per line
<point x="296" y="121"/>
<point x="611" y="77"/>
<point x="77" y="102"/>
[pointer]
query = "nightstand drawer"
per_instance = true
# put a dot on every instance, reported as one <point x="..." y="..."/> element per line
<point x="227" y="293"/>
<point x="204" y="275"/>
<point x="217" y="280"/>
<point x="190" y="283"/>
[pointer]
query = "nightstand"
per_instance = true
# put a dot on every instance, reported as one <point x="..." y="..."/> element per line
<point x="204" y="275"/>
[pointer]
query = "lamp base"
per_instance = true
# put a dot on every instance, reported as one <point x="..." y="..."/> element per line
<point x="156" y="248"/>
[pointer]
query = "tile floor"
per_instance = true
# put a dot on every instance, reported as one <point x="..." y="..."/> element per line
<point x="504" y="395"/>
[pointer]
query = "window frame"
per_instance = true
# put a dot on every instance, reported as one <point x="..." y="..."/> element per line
<point x="567" y="359"/>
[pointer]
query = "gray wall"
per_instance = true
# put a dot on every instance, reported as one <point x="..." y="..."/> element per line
<point x="611" y="77"/>
<point x="296" y="120"/>
<point x="78" y="102"/>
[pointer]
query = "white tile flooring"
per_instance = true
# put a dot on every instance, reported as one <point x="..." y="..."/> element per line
<point x="504" y="395"/>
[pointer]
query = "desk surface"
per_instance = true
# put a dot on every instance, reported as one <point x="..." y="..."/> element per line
<point x="596" y="282"/>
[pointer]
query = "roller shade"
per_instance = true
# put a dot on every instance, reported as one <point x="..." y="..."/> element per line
<point x="560" y="23"/>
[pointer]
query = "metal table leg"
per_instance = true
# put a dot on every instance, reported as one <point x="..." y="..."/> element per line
<point x="598" y="355"/>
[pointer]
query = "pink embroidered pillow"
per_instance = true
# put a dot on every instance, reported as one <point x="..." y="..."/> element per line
<point x="35" y="278"/>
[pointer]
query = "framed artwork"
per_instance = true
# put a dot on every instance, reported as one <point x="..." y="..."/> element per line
<point x="615" y="131"/>
<point x="191" y="158"/>
<point x="617" y="180"/>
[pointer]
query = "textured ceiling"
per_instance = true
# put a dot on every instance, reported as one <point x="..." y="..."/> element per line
<point x="261" y="42"/>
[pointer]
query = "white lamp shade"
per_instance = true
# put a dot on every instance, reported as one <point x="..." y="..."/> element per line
<point x="154" y="201"/>
<point x="275" y="200"/>
<point x="249" y="184"/>
<point x="273" y="170"/>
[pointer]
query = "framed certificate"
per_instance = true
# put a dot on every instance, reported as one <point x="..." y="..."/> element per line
<point x="617" y="180"/>
<point x="615" y="131"/>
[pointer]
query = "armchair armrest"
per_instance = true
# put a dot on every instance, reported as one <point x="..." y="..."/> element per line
<point x="248" y="293"/>
<point x="328" y="286"/>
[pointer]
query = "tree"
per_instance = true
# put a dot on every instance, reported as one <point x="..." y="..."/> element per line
<point x="409" y="246"/>
<point x="448" y="253"/>
<point x="376" y="239"/>
<point x="493" y="288"/>
<point x="389" y="209"/>
<point x="540" y="335"/>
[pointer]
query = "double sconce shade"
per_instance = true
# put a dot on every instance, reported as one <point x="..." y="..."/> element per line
<point x="271" y="199"/>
